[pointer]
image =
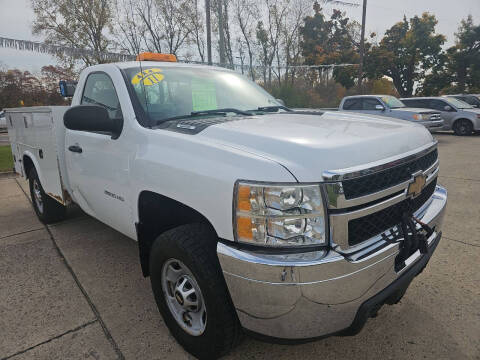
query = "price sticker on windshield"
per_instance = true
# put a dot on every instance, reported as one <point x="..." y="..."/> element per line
<point x="148" y="77"/>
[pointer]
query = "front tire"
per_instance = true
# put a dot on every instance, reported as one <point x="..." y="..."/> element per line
<point x="191" y="292"/>
<point x="463" y="127"/>
<point x="47" y="209"/>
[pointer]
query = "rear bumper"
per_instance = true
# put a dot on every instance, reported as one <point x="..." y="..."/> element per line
<point x="303" y="296"/>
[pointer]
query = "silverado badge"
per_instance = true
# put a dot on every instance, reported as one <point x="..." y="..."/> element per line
<point x="417" y="185"/>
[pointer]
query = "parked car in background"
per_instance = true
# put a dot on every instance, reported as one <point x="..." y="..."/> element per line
<point x="3" y="120"/>
<point x="459" y="116"/>
<point x="390" y="106"/>
<point x="470" y="99"/>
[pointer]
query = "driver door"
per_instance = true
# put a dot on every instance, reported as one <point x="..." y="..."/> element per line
<point x="97" y="166"/>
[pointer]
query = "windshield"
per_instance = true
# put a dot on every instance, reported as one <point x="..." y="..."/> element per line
<point x="168" y="92"/>
<point x="471" y="100"/>
<point x="392" y="102"/>
<point x="458" y="103"/>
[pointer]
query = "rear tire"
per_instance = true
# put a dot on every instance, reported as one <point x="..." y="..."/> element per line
<point x="47" y="209"/>
<point x="190" y="250"/>
<point x="463" y="127"/>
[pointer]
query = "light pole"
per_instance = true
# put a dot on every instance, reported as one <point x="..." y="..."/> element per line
<point x="209" y="32"/>
<point x="362" y="48"/>
<point x="221" y="35"/>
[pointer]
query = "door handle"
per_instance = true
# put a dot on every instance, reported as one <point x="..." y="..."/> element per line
<point x="75" y="148"/>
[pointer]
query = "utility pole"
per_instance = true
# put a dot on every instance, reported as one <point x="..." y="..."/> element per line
<point x="362" y="48"/>
<point x="209" y="32"/>
<point x="221" y="37"/>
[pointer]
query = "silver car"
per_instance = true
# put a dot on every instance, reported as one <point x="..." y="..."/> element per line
<point x="459" y="116"/>
<point x="3" y="121"/>
<point x="470" y="99"/>
<point x="390" y="106"/>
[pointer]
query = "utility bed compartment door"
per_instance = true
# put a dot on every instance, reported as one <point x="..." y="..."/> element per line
<point x="32" y="133"/>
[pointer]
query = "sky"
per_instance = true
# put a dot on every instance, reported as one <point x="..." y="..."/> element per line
<point x="16" y="17"/>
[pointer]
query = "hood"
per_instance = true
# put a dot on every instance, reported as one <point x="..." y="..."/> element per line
<point x="474" y="110"/>
<point x="417" y="110"/>
<point x="308" y="145"/>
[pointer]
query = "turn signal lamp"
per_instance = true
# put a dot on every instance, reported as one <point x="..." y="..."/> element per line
<point x="149" y="56"/>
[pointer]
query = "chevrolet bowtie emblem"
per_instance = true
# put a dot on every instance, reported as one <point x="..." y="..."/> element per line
<point x="417" y="185"/>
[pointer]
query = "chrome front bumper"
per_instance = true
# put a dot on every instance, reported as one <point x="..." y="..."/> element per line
<point x="301" y="296"/>
<point x="433" y="125"/>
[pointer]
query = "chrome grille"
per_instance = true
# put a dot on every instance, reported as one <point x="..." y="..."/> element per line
<point x="364" y="202"/>
<point x="364" y="228"/>
<point x="387" y="178"/>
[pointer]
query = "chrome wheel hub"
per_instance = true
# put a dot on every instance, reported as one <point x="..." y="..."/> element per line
<point x="184" y="297"/>
<point x="37" y="195"/>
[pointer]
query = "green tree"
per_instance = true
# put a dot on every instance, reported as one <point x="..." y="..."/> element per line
<point x="406" y="53"/>
<point x="463" y="63"/>
<point x="458" y="69"/>
<point x="331" y="41"/>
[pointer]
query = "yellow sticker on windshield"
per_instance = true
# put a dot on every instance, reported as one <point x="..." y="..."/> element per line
<point x="148" y="77"/>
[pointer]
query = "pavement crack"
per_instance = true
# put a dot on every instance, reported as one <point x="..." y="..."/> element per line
<point x="21" y="233"/>
<point x="463" y="242"/>
<point x="51" y="339"/>
<point x="94" y="309"/>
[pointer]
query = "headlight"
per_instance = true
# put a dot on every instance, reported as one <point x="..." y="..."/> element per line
<point x="279" y="215"/>
<point x="420" y="117"/>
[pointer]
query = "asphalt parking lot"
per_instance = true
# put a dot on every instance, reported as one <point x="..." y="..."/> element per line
<point x="74" y="290"/>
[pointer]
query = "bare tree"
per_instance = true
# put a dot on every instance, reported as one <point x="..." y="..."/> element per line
<point x="128" y="27"/>
<point x="268" y="36"/>
<point x="245" y="13"/>
<point x="198" y="30"/>
<point x="79" y="24"/>
<point x="153" y="35"/>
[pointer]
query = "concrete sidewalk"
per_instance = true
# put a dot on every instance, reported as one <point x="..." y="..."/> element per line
<point x="74" y="290"/>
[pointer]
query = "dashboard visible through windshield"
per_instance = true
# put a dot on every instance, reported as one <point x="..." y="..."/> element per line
<point x="171" y="92"/>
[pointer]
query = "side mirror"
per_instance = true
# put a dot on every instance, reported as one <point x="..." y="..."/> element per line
<point x="281" y="101"/>
<point x="448" y="108"/>
<point x="92" y="118"/>
<point x="67" y="88"/>
<point x="379" y="107"/>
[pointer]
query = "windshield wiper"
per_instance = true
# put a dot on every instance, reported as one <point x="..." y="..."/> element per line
<point x="206" y="112"/>
<point x="221" y="111"/>
<point x="272" y="108"/>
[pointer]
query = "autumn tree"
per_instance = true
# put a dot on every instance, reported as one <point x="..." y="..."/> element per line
<point x="331" y="41"/>
<point x="406" y="53"/>
<point x="81" y="24"/>
<point x="22" y="88"/>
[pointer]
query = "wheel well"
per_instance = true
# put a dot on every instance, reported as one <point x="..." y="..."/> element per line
<point x="157" y="214"/>
<point x="27" y="165"/>
<point x="456" y="121"/>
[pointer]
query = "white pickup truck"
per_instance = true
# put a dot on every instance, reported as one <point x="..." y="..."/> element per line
<point x="249" y="217"/>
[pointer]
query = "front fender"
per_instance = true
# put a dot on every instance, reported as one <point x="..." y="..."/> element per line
<point x="199" y="174"/>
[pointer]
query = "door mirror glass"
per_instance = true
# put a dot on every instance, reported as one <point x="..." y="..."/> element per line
<point x="67" y="88"/>
<point x="379" y="107"/>
<point x="447" y="108"/>
<point x="92" y="118"/>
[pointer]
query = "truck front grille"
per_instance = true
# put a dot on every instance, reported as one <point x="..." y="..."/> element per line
<point x="366" y="227"/>
<point x="381" y="180"/>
